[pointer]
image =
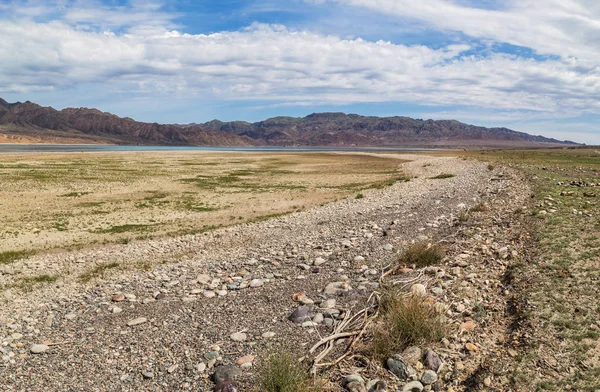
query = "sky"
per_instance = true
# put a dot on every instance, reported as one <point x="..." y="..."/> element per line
<point x="529" y="65"/>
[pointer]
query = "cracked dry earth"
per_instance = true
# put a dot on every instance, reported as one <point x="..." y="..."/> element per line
<point x="169" y="310"/>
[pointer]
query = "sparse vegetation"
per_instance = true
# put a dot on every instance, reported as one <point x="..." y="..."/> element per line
<point x="97" y="272"/>
<point x="126" y="228"/>
<point x="422" y="255"/>
<point x="442" y="176"/>
<point x="281" y="372"/>
<point x="404" y="321"/>
<point x="11" y="256"/>
<point x="75" y="194"/>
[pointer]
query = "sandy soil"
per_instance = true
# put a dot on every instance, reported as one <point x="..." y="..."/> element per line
<point x="50" y="201"/>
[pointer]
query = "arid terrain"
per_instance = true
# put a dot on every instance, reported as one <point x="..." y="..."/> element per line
<point x="389" y="272"/>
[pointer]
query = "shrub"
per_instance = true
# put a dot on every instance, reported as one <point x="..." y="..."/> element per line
<point x="442" y="176"/>
<point x="360" y="196"/>
<point x="422" y="255"/>
<point x="280" y="372"/>
<point x="405" y="322"/>
<point x="11" y="256"/>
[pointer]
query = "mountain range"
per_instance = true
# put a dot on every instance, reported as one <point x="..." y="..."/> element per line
<point x="31" y="123"/>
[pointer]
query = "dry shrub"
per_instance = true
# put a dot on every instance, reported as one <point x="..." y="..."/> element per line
<point x="422" y="255"/>
<point x="405" y="321"/>
<point x="281" y="372"/>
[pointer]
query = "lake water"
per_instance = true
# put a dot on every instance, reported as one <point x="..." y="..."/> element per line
<point x="5" y="148"/>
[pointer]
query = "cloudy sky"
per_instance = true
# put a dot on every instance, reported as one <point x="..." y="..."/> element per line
<point x="531" y="65"/>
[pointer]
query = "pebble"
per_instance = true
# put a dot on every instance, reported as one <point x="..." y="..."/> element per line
<point x="148" y="374"/>
<point x="429" y="377"/>
<point x="419" y="289"/>
<point x="226" y="373"/>
<point x="39" y="348"/>
<point x="397" y="365"/>
<point x="256" y="283"/>
<point x="239" y="337"/>
<point x="432" y="360"/>
<point x="245" y="359"/>
<point x="352" y="378"/>
<point x="137" y="321"/>
<point x="300" y="315"/>
<point x="413" y="386"/>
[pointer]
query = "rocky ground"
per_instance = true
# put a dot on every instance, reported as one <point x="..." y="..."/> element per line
<point x="164" y="314"/>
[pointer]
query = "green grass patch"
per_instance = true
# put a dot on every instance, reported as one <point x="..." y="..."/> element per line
<point x="125" y="229"/>
<point x="281" y="372"/>
<point x="14" y="255"/>
<point x="442" y="176"/>
<point x="75" y="194"/>
<point x="97" y="272"/>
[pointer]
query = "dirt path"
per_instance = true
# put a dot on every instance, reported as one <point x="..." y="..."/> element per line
<point x="188" y="295"/>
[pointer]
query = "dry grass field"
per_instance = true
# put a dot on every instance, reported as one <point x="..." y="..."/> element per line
<point x="66" y="201"/>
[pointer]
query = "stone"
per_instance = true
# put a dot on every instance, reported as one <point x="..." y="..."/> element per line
<point x="118" y="298"/>
<point x="376" y="386"/>
<point x="238" y="337"/>
<point x="336" y="288"/>
<point x="226" y="373"/>
<point x="226" y="386"/>
<point x="397" y="365"/>
<point x="300" y="315"/>
<point x="432" y="360"/>
<point x="116" y="310"/>
<point x="429" y="377"/>
<point x="256" y="283"/>
<point x="245" y="359"/>
<point x="412" y="355"/>
<point x="203" y="279"/>
<point x="268" y="335"/>
<point x="211" y="355"/>
<point x="418" y="289"/>
<point x="172" y="368"/>
<point x="356" y="386"/>
<point x="413" y="386"/>
<point x="352" y="378"/>
<point x="209" y="294"/>
<point x="137" y="321"/>
<point x="471" y="347"/>
<point x="318" y="318"/>
<point x="201" y="367"/>
<point x="388" y="247"/>
<point x="319" y="261"/>
<point x="328" y="303"/>
<point x="148" y="374"/>
<point x="39" y="348"/>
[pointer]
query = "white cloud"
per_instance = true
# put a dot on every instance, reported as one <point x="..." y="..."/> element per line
<point x="139" y="51"/>
<point x="273" y="63"/>
<point x="551" y="27"/>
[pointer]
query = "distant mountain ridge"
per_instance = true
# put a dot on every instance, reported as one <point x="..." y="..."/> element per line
<point x="343" y="129"/>
<point x="31" y="122"/>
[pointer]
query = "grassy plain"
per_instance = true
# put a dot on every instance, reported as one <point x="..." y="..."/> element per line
<point x="559" y="283"/>
<point x="65" y="201"/>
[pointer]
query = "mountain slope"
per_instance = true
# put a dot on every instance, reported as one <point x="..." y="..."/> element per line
<point x="344" y="129"/>
<point x="28" y="122"/>
<point x="91" y="125"/>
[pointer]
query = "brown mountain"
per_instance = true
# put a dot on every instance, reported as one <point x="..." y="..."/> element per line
<point x="31" y="122"/>
<point x="28" y="122"/>
<point x="341" y="129"/>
